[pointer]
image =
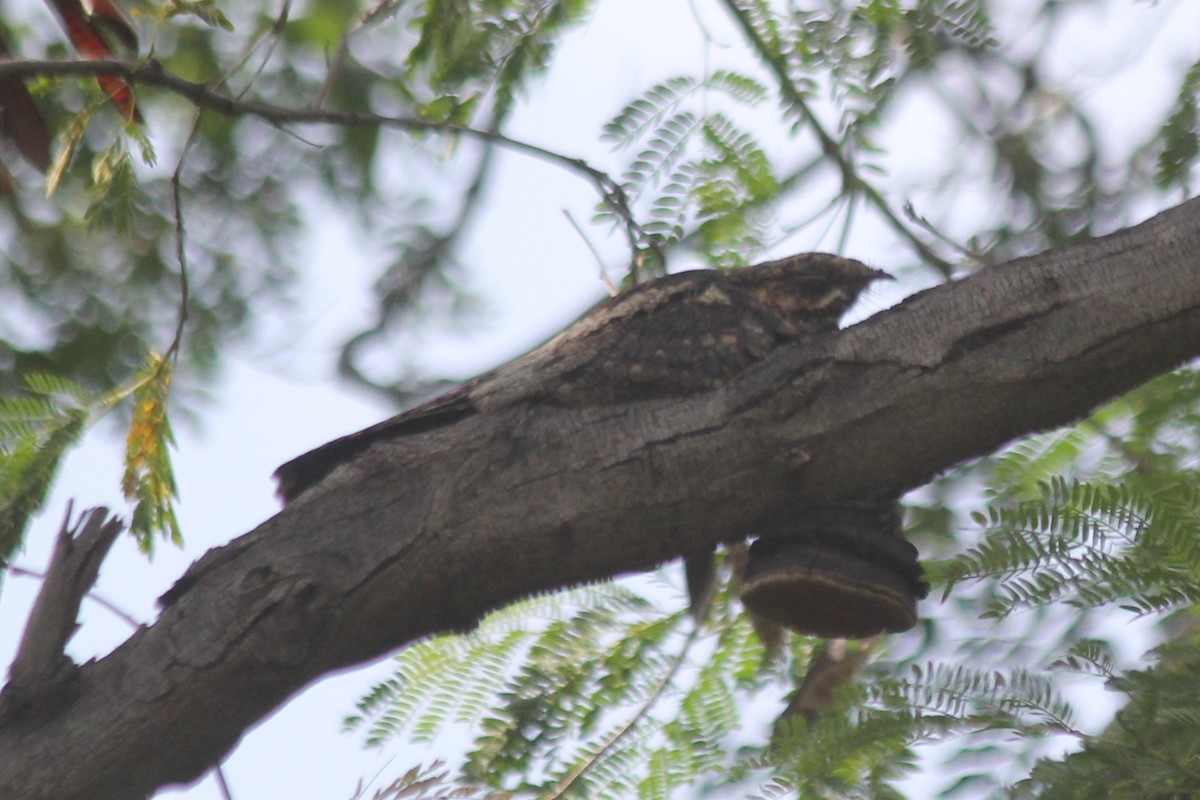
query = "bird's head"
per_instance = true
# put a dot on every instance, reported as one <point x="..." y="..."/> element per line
<point x="809" y="290"/>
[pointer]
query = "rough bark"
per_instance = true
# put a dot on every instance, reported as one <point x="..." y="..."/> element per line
<point x="427" y="532"/>
<point x="40" y="676"/>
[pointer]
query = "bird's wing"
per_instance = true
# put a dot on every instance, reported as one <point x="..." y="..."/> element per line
<point x="305" y="471"/>
<point x="544" y="372"/>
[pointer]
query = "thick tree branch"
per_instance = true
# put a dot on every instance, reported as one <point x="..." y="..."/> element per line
<point x="424" y="533"/>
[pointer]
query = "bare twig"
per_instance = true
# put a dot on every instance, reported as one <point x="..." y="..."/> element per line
<point x="368" y="17"/>
<point x="98" y="599"/>
<point x="656" y="694"/>
<point x="270" y="35"/>
<point x="607" y="281"/>
<point x="222" y="784"/>
<point x="181" y="240"/>
<point x="41" y="664"/>
<point x="151" y="73"/>
<point x="419" y="264"/>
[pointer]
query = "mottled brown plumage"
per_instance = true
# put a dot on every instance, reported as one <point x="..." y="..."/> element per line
<point x="675" y="336"/>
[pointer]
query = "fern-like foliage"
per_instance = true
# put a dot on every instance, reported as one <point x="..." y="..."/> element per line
<point x="1150" y="749"/>
<point x="598" y="693"/>
<point x="595" y="692"/>
<point x="432" y="783"/>
<point x="1178" y="140"/>
<point x="1020" y="701"/>
<point x="457" y="678"/>
<point x="865" y="743"/>
<point x="698" y="171"/>
<point x="843" y="755"/>
<point x="695" y="167"/>
<point x="36" y="431"/>
<point x="933" y="25"/>
<point x="117" y="199"/>
<point x="467" y="48"/>
<point x="1088" y="545"/>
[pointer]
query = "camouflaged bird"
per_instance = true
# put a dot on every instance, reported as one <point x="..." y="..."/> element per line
<point x="678" y="335"/>
<point x="671" y="337"/>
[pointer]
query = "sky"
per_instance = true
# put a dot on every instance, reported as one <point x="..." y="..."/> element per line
<point x="271" y="404"/>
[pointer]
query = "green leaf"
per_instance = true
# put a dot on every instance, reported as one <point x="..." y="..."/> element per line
<point x="207" y="11"/>
<point x="36" y="432"/>
<point x="71" y="137"/>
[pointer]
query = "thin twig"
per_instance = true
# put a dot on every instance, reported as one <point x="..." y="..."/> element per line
<point x="274" y="33"/>
<point x="95" y="597"/>
<point x="582" y="767"/>
<point x="368" y="17"/>
<point x="181" y="239"/>
<point x="852" y="183"/>
<point x="222" y="784"/>
<point x="607" y="281"/>
<point x="152" y="73"/>
<point x="419" y="264"/>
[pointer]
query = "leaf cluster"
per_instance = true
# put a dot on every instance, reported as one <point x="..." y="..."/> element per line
<point x="591" y="693"/>
<point x="37" y="429"/>
<point x="431" y="783"/>
<point x="697" y="171"/>
<point x="1149" y="750"/>
<point x="149" y="480"/>
<point x="1088" y="545"/>
<point x="89" y="270"/>
<point x="40" y="426"/>
<point x="1179" y="138"/>
<point x="489" y="47"/>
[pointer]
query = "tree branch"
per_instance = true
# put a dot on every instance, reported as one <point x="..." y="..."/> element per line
<point x="424" y="533"/>
<point x="152" y="73"/>
<point x="41" y="668"/>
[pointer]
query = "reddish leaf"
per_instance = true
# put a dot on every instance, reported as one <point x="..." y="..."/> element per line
<point x="20" y="120"/>
<point x="102" y="33"/>
<point x="113" y="27"/>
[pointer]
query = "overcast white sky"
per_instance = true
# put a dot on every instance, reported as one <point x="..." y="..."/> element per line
<point x="270" y="406"/>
